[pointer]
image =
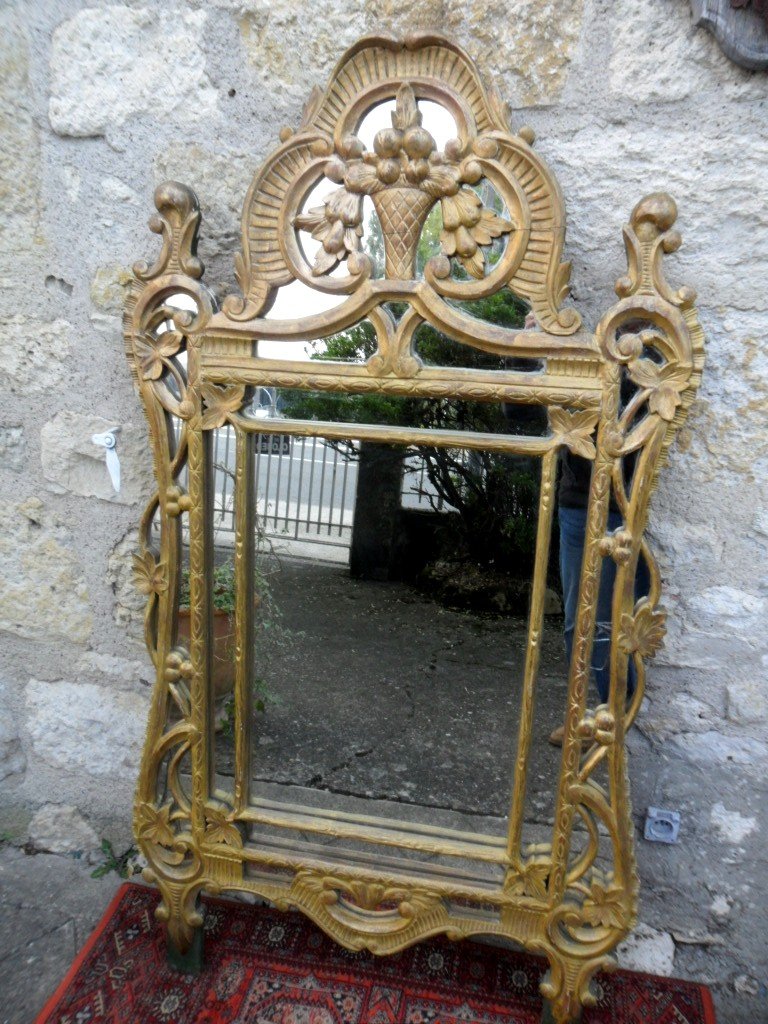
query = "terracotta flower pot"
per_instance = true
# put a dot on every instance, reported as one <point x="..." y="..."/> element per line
<point x="223" y="648"/>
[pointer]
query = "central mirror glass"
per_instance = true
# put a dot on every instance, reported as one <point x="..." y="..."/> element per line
<point x="392" y="591"/>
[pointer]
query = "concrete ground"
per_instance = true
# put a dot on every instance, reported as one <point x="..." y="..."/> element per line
<point x="49" y="905"/>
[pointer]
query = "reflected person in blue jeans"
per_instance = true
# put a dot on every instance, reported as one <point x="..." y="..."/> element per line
<point x="573" y="498"/>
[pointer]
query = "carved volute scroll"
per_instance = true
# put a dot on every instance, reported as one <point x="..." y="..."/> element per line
<point x="194" y="365"/>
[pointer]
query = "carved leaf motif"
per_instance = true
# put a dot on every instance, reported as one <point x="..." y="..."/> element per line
<point x="533" y="879"/>
<point x="664" y="382"/>
<point x="153" y="351"/>
<point x="563" y="282"/>
<point x="574" y="429"/>
<point x="367" y="895"/>
<point x="644" y="632"/>
<point x="182" y="700"/>
<point x="337" y="224"/>
<point x="220" y="829"/>
<point x="154" y="824"/>
<point x="148" y="575"/>
<point x="604" y="906"/>
<point x="467" y="225"/>
<point x="219" y="402"/>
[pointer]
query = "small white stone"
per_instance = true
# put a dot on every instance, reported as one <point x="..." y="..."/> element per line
<point x="746" y="986"/>
<point x="731" y="826"/>
<point x="648" y="950"/>
<point x="720" y="908"/>
<point x="12" y="447"/>
<point x="59" y="828"/>
<point x="117" y="191"/>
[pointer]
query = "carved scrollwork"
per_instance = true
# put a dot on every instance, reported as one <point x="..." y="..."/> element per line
<point x="157" y="332"/>
<point x="572" y="899"/>
<point x="405" y="174"/>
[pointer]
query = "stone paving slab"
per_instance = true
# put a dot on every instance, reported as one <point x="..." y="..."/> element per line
<point x="49" y="905"/>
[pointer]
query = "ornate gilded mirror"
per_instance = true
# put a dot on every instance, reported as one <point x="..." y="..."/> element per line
<point x="364" y="436"/>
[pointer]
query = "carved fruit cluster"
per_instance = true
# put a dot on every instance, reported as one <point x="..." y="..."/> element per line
<point x="405" y="157"/>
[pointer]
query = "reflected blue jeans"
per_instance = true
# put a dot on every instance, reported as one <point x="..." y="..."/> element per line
<point x="573" y="524"/>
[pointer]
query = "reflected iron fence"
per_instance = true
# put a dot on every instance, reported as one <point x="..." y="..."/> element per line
<point x="305" y="488"/>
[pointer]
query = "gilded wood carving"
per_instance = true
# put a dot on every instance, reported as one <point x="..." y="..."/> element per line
<point x="572" y="905"/>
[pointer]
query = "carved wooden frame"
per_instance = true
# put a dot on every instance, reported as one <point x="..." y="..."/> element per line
<point x="193" y="835"/>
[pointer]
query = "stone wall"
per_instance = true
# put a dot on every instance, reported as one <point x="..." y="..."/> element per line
<point x="100" y="101"/>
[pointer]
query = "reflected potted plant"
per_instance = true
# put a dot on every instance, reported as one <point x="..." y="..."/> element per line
<point x="223" y="597"/>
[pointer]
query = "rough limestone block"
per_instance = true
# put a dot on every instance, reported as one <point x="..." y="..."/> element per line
<point x="108" y="288"/>
<point x="110" y="63"/>
<point x="72" y="462"/>
<point x="648" y="950"/>
<point x="59" y="828"/>
<point x="12" y="760"/>
<point x="128" y="610"/>
<point x="681" y="712"/>
<point x="530" y="54"/>
<point x="20" y="151"/>
<point x="748" y="700"/>
<point x="112" y="671"/>
<point x="34" y="354"/>
<point x="714" y="747"/>
<point x="42" y="593"/>
<point x="12" y="447"/>
<point x="725" y="609"/>
<point x="604" y="171"/>
<point x="83" y="727"/>
<point x="658" y="56"/>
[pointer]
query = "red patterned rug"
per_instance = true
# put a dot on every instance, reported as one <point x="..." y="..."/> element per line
<point x="267" y="967"/>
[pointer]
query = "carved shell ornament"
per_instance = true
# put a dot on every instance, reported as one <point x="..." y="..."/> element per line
<point x="405" y="175"/>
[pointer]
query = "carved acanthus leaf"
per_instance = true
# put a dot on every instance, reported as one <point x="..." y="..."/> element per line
<point x="149" y="576"/>
<point x="219" y="402"/>
<point x="219" y="828"/>
<point x="574" y="429"/>
<point x="152" y="352"/>
<point x="644" y="631"/>
<point x="604" y="907"/>
<point x="154" y="824"/>
<point x="532" y="878"/>
<point x="665" y="384"/>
